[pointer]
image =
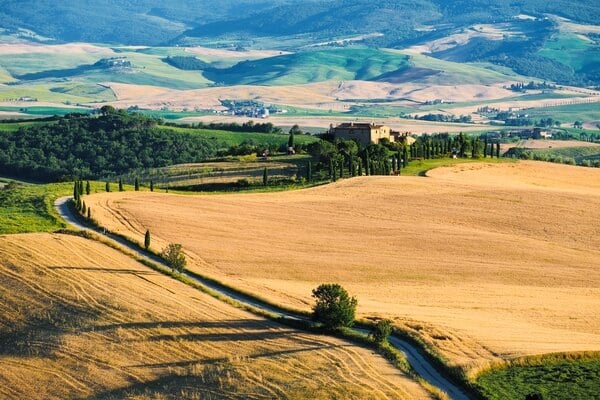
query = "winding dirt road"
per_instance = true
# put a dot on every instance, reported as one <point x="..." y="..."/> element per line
<point x="415" y="356"/>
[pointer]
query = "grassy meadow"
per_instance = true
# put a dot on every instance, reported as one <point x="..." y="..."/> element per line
<point x="556" y="377"/>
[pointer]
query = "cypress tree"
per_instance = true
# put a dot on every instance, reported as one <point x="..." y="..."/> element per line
<point x="351" y="167"/>
<point x="341" y="164"/>
<point x="309" y="171"/>
<point x="367" y="162"/>
<point x="75" y="191"/>
<point x="334" y="176"/>
<point x="89" y="213"/>
<point x="78" y="205"/>
<point x="360" y="169"/>
<point x="330" y="167"/>
<point x="107" y="186"/>
<point x="83" y="208"/>
<point x="136" y="184"/>
<point x="151" y="185"/>
<point x="80" y="187"/>
<point x="492" y="150"/>
<point x="265" y="177"/>
<point x="88" y="188"/>
<point x="147" y="239"/>
<point x="498" y="150"/>
<point x="291" y="138"/>
<point x="405" y="157"/>
<point x="120" y="185"/>
<point x="485" y="145"/>
<point x="473" y="148"/>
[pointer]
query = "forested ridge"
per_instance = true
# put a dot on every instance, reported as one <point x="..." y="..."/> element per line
<point x="94" y="147"/>
<point x="153" y="22"/>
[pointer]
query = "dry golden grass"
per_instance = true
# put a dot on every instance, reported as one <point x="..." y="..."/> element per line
<point x="68" y="48"/>
<point x="80" y="320"/>
<point x="485" y="261"/>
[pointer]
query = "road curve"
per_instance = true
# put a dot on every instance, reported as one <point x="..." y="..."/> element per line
<point x="415" y="356"/>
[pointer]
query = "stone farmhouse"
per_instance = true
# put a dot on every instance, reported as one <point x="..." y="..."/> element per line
<point x="365" y="133"/>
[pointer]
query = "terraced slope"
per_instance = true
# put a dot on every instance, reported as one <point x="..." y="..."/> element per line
<point x="484" y="261"/>
<point x="80" y="320"/>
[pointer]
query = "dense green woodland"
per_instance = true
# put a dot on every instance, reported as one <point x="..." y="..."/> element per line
<point x="153" y="22"/>
<point x="93" y="147"/>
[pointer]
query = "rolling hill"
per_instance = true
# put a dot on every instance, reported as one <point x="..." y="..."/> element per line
<point x="312" y="66"/>
<point x="102" y="326"/>
<point x="483" y="261"/>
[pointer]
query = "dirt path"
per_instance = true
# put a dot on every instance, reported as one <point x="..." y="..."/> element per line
<point x="415" y="356"/>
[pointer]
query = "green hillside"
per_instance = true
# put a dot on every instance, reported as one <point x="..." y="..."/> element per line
<point x="312" y="66"/>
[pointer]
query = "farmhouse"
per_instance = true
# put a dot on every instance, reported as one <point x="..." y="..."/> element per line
<point x="365" y="133"/>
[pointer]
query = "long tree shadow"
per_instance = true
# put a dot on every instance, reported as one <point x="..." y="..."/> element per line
<point x="214" y="378"/>
<point x="41" y="330"/>
<point x="108" y="270"/>
<point x="226" y="324"/>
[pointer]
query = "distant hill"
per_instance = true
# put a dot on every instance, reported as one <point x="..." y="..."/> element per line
<point x="534" y="45"/>
<point x="152" y="22"/>
<point x="312" y="66"/>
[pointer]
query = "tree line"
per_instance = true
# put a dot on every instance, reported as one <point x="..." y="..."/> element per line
<point x="90" y="147"/>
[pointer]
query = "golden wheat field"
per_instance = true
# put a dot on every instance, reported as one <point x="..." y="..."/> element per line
<point x="485" y="261"/>
<point x="81" y="320"/>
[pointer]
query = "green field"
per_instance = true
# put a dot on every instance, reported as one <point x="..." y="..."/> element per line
<point x="420" y="167"/>
<point x="42" y="110"/>
<point x="572" y="50"/>
<point x="312" y="66"/>
<point x="577" y="153"/>
<point x="29" y="208"/>
<point x="229" y="138"/>
<point x="554" y="379"/>
<point x="568" y="113"/>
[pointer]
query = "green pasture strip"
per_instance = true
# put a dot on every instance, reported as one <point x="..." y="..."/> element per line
<point x="558" y="378"/>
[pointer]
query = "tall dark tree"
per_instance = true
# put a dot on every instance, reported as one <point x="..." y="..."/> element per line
<point x="75" y="191"/>
<point x="309" y="171"/>
<point x="151" y="185"/>
<point x="136" y="184"/>
<point x="88" y="188"/>
<point x="498" y="150"/>
<point x="485" y="148"/>
<point x="107" y="186"/>
<point x="120" y="185"/>
<point x="265" y="177"/>
<point x="147" y="239"/>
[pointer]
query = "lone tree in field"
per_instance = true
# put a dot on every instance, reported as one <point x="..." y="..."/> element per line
<point x="136" y="184"/>
<point x="173" y="255"/>
<point x="107" y="186"/>
<point x="147" y="239"/>
<point x="334" y="307"/>
<point x="381" y="331"/>
<point x="151" y="186"/>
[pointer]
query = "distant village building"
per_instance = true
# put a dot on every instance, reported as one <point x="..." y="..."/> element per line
<point x="365" y="133"/>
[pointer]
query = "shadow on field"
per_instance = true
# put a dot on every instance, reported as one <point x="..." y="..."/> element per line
<point x="226" y="324"/>
<point x="40" y="331"/>
<point x="108" y="270"/>
<point x="221" y="360"/>
<point x="223" y="381"/>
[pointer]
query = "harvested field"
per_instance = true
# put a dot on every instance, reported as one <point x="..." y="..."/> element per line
<point x="485" y="261"/>
<point x="80" y="320"/>
<point x="68" y="48"/>
<point x="555" y="144"/>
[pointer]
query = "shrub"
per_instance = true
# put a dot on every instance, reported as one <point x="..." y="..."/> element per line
<point x="381" y="331"/>
<point x="334" y="308"/>
<point x="173" y="255"/>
